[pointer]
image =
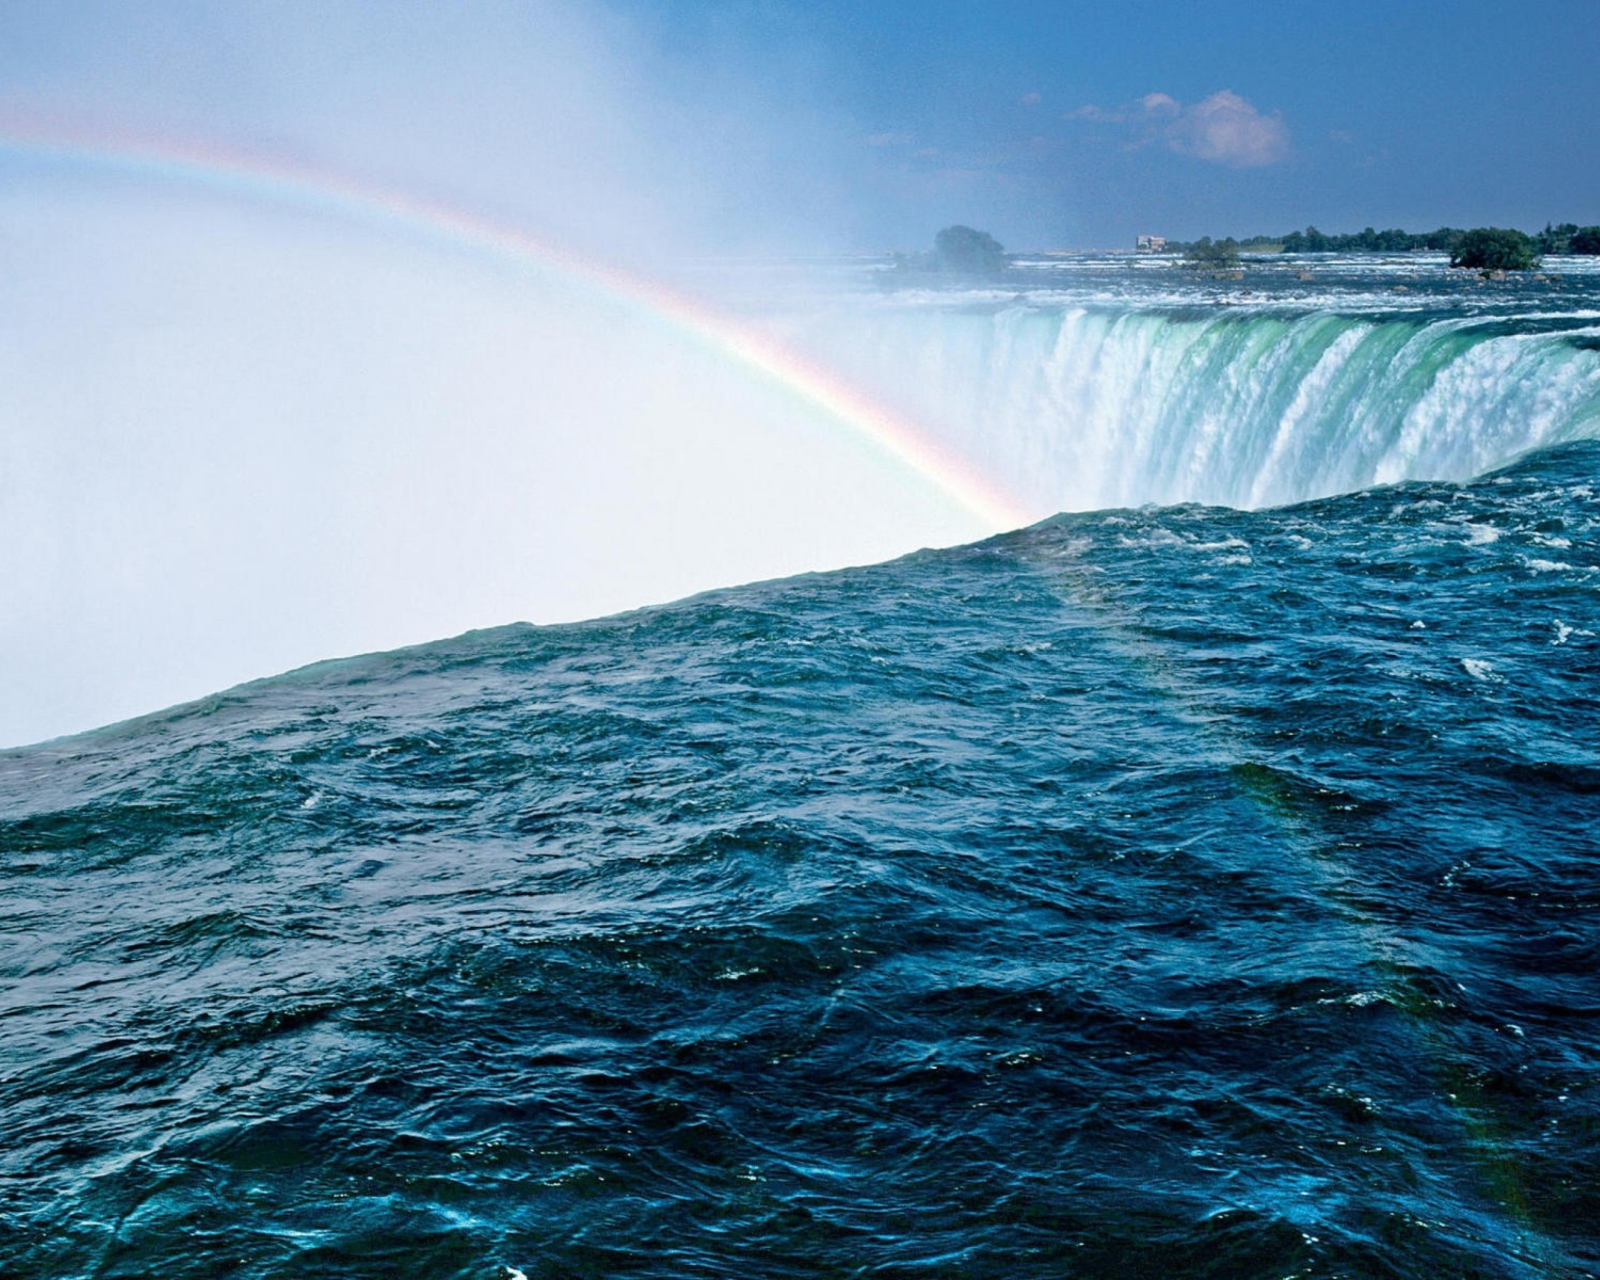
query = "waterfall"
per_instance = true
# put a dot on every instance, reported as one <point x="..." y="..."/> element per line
<point x="1082" y="407"/>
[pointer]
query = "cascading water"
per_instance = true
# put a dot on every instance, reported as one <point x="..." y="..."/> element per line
<point x="1180" y="892"/>
<point x="1090" y="401"/>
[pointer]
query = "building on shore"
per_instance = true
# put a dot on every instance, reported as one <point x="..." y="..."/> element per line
<point x="1150" y="244"/>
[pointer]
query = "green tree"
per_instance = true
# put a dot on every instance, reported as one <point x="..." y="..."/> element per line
<point x="1584" y="240"/>
<point x="1555" y="240"/>
<point x="968" y="252"/>
<point x="1495" y="249"/>
<point x="1212" y="254"/>
<point x="1308" y="241"/>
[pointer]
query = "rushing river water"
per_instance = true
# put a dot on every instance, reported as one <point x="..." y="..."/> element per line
<point x="1156" y="892"/>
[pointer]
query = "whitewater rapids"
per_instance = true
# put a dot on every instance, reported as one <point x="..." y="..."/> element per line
<point x="1100" y="383"/>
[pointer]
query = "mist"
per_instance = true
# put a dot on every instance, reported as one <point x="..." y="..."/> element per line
<point x="601" y="128"/>
<point x="238" y="434"/>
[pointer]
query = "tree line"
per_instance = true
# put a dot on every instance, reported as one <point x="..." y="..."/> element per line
<point x="964" y="252"/>
<point x="1556" y="240"/>
<point x="1487" y="248"/>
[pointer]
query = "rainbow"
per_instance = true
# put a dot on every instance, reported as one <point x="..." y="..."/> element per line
<point x="282" y="182"/>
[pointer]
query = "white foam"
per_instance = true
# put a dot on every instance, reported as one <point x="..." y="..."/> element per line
<point x="1121" y="391"/>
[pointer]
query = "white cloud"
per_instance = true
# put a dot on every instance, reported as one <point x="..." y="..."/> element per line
<point x="1160" y="104"/>
<point x="1031" y="99"/>
<point x="1223" y="128"/>
<point x="1227" y="129"/>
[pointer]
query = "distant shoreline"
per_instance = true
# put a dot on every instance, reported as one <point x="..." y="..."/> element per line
<point x="1566" y="239"/>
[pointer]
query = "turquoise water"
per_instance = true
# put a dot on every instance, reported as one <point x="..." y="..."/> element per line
<point x="1158" y="891"/>
<point x="1088" y="383"/>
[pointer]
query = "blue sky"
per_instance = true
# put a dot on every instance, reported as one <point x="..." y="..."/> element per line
<point x="1025" y="117"/>
<point x="638" y="123"/>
